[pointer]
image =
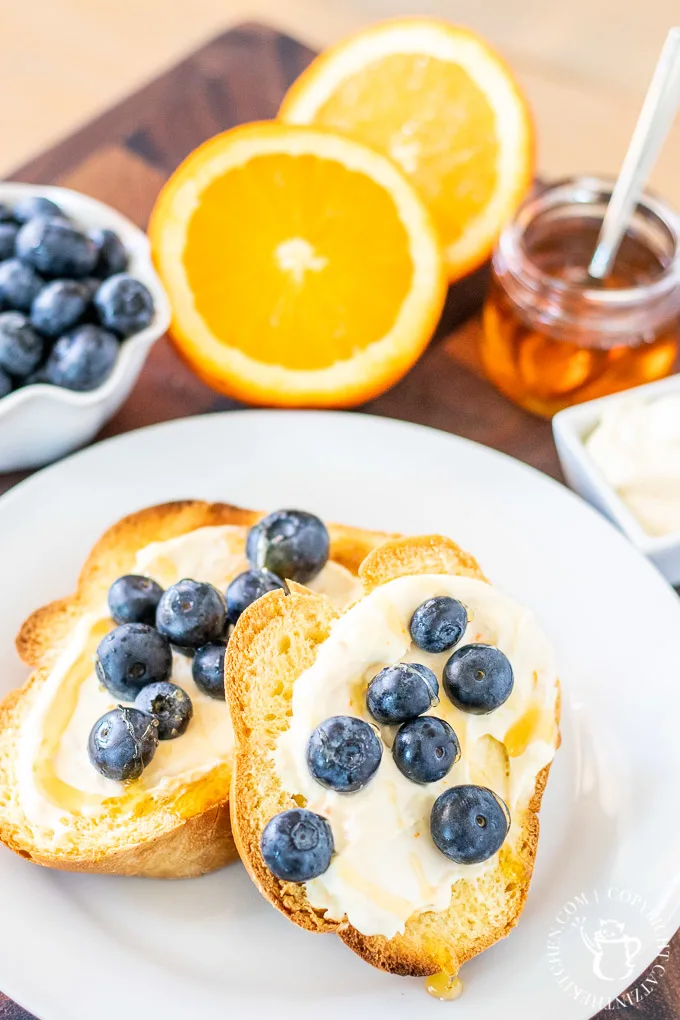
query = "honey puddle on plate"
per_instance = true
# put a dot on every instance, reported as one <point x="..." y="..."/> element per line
<point x="444" y="986"/>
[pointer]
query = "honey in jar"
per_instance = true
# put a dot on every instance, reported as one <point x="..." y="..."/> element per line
<point x="552" y="335"/>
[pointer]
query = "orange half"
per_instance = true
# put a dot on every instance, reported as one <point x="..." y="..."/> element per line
<point x="303" y="269"/>
<point x="442" y="104"/>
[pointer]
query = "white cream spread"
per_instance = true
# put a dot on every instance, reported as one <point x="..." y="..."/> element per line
<point x="386" y="866"/>
<point x="55" y="777"/>
<point x="636" y="446"/>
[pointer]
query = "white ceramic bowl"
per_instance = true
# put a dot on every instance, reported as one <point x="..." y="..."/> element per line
<point x="40" y="423"/>
<point x="571" y="428"/>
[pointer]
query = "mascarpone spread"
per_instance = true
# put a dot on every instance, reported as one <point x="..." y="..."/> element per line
<point x="386" y="866"/>
<point x="55" y="777"/>
<point x="636" y="446"/>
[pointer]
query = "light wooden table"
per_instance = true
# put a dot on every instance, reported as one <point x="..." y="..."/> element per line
<point x="584" y="64"/>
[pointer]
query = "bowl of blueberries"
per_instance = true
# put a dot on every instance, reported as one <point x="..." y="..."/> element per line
<point x="80" y="308"/>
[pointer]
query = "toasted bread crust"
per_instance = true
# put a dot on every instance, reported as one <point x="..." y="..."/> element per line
<point x="42" y="634"/>
<point x="200" y="841"/>
<point x="421" y="554"/>
<point x="276" y="639"/>
<point x="299" y="613"/>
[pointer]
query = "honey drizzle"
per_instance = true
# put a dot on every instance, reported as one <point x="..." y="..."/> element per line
<point x="61" y="712"/>
<point x="445" y="986"/>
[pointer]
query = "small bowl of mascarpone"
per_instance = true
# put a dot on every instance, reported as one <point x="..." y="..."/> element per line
<point x="622" y="454"/>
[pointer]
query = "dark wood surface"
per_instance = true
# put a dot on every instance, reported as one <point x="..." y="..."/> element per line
<point x="123" y="158"/>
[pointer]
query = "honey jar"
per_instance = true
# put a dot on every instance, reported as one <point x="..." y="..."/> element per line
<point x="553" y="336"/>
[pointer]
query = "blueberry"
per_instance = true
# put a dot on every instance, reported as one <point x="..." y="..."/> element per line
<point x="8" y="235"/>
<point x="5" y="383"/>
<point x="21" y="348"/>
<point x="343" y="753"/>
<point x="60" y="305"/>
<point x="19" y="285"/>
<point x="207" y="669"/>
<point x="401" y="692"/>
<point x="290" y="543"/>
<point x="124" y="305"/>
<point x="469" y="823"/>
<point x="56" y="248"/>
<point x="36" y="377"/>
<point x="130" y="657"/>
<point x="478" y="678"/>
<point x="191" y="614"/>
<point x="425" y="749"/>
<point x="112" y="253"/>
<point x="6" y="214"/>
<point x="297" y="845"/>
<point x="247" y="588"/>
<point x="28" y="208"/>
<point x="169" y="704"/>
<point x="439" y="624"/>
<point x="122" y="743"/>
<point x="82" y="359"/>
<point x="133" y="599"/>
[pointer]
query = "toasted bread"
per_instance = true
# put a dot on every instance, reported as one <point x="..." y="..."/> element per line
<point x="185" y="831"/>
<point x="276" y="641"/>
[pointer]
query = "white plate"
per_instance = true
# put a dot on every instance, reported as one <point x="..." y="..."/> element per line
<point x="212" y="948"/>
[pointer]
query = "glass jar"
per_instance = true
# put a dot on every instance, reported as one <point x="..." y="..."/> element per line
<point x="552" y="335"/>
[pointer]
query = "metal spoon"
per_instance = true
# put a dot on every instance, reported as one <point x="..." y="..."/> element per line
<point x="656" y="116"/>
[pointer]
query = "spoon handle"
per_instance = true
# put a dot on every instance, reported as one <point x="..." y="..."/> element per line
<point x="656" y="116"/>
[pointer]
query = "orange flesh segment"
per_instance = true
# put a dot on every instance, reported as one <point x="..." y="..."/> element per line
<point x="443" y="125"/>
<point x="276" y="278"/>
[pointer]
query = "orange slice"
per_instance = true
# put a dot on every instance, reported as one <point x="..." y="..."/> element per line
<point x="441" y="104"/>
<point x="303" y="269"/>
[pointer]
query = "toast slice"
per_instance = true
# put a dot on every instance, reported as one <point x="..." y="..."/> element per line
<point x="173" y="830"/>
<point x="277" y="641"/>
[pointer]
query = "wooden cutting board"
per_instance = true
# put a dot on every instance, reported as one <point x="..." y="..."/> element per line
<point x="124" y="156"/>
